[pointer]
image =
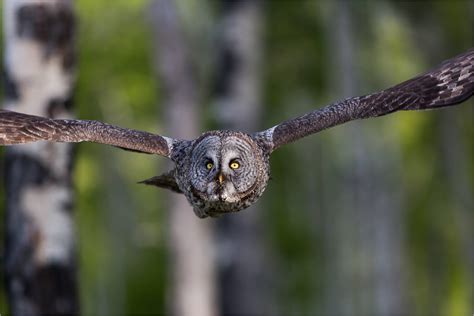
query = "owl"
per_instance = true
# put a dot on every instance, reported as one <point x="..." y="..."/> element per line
<point x="227" y="171"/>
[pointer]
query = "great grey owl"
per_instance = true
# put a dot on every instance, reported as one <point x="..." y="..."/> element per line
<point x="227" y="171"/>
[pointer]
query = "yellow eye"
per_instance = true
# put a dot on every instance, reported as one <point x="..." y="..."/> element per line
<point x="234" y="165"/>
<point x="209" y="165"/>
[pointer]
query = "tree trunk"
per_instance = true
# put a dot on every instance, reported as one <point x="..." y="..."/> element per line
<point x="365" y="270"/>
<point x="461" y="208"/>
<point x="243" y="267"/>
<point x="192" y="259"/>
<point x="40" y="259"/>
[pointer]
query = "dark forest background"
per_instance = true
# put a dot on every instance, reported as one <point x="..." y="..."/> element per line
<point x="371" y="218"/>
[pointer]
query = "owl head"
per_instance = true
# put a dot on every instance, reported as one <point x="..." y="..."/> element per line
<point x="220" y="172"/>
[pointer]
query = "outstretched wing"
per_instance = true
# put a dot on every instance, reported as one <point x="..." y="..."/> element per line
<point x="450" y="83"/>
<point x="17" y="128"/>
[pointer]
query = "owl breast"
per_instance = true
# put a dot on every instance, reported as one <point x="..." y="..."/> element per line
<point x="223" y="172"/>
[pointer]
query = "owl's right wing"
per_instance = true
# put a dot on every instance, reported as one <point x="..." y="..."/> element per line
<point x="17" y="128"/>
<point x="450" y="83"/>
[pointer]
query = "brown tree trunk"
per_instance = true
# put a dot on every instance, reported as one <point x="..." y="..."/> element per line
<point x="40" y="259"/>
<point x="190" y="240"/>
<point x="243" y="286"/>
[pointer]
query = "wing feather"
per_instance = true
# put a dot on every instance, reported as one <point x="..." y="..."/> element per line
<point x="17" y="128"/>
<point x="450" y="83"/>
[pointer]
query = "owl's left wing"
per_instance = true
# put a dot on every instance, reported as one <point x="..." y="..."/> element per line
<point x="17" y="128"/>
<point x="450" y="83"/>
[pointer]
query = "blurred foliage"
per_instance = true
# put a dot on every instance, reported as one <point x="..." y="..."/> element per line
<point x="121" y="225"/>
<point x="121" y="239"/>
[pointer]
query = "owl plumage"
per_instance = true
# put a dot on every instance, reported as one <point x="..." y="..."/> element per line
<point x="222" y="172"/>
<point x="226" y="171"/>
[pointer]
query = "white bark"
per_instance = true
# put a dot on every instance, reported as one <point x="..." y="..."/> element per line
<point x="192" y="259"/>
<point x="40" y="250"/>
<point x="244" y="265"/>
<point x="365" y="270"/>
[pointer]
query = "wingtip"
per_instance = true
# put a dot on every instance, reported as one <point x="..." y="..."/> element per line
<point x="146" y="181"/>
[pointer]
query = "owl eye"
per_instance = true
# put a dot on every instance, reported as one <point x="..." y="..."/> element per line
<point x="209" y="165"/>
<point x="234" y="165"/>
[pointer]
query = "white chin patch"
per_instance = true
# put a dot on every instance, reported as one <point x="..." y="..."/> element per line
<point x="230" y="195"/>
<point x="214" y="198"/>
<point x="229" y="198"/>
<point x="227" y="195"/>
<point x="211" y="189"/>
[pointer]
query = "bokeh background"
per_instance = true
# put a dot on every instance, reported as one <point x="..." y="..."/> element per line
<point x="371" y="218"/>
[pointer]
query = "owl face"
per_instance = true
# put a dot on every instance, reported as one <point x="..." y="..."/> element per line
<point x="228" y="172"/>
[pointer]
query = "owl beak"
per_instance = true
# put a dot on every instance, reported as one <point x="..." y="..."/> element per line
<point x="220" y="178"/>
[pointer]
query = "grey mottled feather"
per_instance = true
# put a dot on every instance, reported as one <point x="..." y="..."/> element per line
<point x="450" y="83"/>
<point x="17" y="128"/>
<point x="166" y="181"/>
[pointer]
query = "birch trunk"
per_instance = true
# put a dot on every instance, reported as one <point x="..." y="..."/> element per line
<point x="243" y="267"/>
<point x="40" y="259"/>
<point x="365" y="270"/>
<point x="190" y="240"/>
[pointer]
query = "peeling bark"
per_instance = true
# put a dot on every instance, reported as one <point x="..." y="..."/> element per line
<point x="40" y="258"/>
